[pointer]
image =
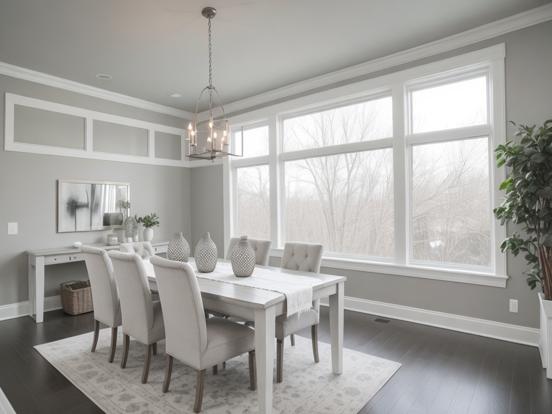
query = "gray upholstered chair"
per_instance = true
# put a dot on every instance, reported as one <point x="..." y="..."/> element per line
<point x="191" y="338"/>
<point x="304" y="257"/>
<point x="142" y="317"/>
<point x="261" y="248"/>
<point x="142" y="249"/>
<point x="105" y="298"/>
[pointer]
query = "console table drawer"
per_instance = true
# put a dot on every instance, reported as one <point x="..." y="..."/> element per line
<point x="62" y="258"/>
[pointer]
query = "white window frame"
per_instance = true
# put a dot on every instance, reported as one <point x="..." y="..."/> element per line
<point x="489" y="61"/>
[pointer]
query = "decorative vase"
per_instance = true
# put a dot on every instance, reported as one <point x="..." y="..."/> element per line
<point x="131" y="228"/>
<point x="242" y="258"/>
<point x="148" y="234"/>
<point x="178" y="249"/>
<point x="206" y="254"/>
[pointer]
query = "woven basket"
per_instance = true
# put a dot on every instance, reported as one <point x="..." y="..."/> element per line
<point x="76" y="297"/>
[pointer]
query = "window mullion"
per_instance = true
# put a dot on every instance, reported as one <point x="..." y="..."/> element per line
<point x="273" y="138"/>
<point x="400" y="175"/>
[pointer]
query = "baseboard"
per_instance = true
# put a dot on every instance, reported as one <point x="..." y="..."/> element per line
<point x="5" y="406"/>
<point x="16" y="310"/>
<point x="483" y="327"/>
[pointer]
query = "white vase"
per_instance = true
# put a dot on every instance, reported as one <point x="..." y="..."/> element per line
<point x="545" y="334"/>
<point x="178" y="249"/>
<point x="148" y="234"/>
<point x="242" y="258"/>
<point x="205" y="254"/>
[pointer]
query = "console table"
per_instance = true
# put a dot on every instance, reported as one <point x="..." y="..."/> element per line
<point x="39" y="259"/>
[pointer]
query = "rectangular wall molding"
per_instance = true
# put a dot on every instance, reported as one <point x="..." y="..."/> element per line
<point x="18" y="309"/>
<point x="476" y="326"/>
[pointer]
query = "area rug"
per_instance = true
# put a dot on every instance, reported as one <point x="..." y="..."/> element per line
<point x="307" y="387"/>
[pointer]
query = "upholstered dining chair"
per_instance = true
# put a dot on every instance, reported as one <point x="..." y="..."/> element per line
<point x="261" y="248"/>
<point x="194" y="340"/>
<point x="142" y="317"/>
<point x="304" y="257"/>
<point x="105" y="297"/>
<point x="142" y="249"/>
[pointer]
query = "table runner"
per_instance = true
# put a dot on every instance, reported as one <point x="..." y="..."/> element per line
<point x="296" y="288"/>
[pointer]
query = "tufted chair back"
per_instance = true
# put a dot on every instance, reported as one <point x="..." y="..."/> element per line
<point x="261" y="248"/>
<point x="105" y="297"/>
<point x="305" y="257"/>
<point x="142" y="249"/>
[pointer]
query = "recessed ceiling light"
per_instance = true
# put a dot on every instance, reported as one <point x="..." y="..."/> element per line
<point x="175" y="95"/>
<point x="104" y="76"/>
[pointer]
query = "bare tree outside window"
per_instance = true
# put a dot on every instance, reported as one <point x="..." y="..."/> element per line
<point x="253" y="202"/>
<point x="343" y="201"/>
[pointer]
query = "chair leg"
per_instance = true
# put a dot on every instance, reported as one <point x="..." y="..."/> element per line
<point x="215" y="369"/>
<point x="126" y="343"/>
<point x="314" y="336"/>
<point x="154" y="348"/>
<point x="96" y="336"/>
<point x="279" y="360"/>
<point x="224" y="366"/>
<point x="252" y="371"/>
<point x="145" y="371"/>
<point x="199" y="391"/>
<point x="168" y="373"/>
<point x="292" y="336"/>
<point x="113" y="343"/>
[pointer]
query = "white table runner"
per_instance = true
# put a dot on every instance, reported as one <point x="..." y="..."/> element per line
<point x="296" y="288"/>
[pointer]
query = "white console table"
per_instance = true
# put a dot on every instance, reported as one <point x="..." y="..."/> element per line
<point x="39" y="259"/>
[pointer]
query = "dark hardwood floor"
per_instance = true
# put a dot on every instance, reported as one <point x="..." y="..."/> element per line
<point x="442" y="371"/>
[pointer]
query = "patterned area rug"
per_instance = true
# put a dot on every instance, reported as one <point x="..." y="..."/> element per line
<point x="307" y="387"/>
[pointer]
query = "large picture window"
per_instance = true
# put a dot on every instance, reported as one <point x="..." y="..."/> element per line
<point x="400" y="180"/>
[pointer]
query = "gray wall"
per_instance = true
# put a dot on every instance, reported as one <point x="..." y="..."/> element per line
<point x="28" y="193"/>
<point x="528" y="100"/>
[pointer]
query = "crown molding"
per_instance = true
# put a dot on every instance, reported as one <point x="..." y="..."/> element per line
<point x="488" y="31"/>
<point x="19" y="72"/>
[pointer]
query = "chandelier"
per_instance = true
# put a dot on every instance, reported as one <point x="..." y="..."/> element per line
<point x="210" y="139"/>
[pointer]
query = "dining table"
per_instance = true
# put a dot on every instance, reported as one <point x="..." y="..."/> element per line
<point x="263" y="306"/>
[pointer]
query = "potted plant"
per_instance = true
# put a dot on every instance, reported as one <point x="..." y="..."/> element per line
<point x="149" y="221"/>
<point x="528" y="205"/>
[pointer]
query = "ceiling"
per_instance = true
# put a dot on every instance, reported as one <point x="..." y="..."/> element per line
<point x="153" y="49"/>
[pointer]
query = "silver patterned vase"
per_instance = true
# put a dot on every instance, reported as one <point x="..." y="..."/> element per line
<point x="206" y="254"/>
<point x="131" y="229"/>
<point x="242" y="258"/>
<point x="178" y="249"/>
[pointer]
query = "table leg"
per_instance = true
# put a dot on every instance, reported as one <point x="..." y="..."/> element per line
<point x="39" y="289"/>
<point x="31" y="281"/>
<point x="336" y="328"/>
<point x="265" y="321"/>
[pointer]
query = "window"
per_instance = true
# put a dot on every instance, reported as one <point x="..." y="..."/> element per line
<point x="343" y="201"/>
<point x="362" y="121"/>
<point x="253" y="204"/>
<point x="255" y="141"/>
<point x="401" y="180"/>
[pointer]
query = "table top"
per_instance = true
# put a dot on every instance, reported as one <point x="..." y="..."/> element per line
<point x="256" y="297"/>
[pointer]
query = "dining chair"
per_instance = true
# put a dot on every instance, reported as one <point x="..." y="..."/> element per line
<point x="105" y="297"/>
<point x="304" y="257"/>
<point x="142" y="317"/>
<point x="261" y="248"/>
<point x="143" y="249"/>
<point x="194" y="340"/>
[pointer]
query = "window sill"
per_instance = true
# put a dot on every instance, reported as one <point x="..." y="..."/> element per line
<point x="448" y="275"/>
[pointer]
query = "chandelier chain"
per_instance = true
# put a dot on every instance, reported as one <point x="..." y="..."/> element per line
<point x="210" y="57"/>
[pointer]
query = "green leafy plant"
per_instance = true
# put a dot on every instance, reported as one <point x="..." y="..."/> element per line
<point x="528" y="200"/>
<point x="149" y="220"/>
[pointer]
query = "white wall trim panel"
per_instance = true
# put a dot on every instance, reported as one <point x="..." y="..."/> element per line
<point x="500" y="27"/>
<point x="482" y="327"/>
<point x="19" y="72"/>
<point x="18" y="309"/>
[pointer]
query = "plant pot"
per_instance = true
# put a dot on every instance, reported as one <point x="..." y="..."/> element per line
<point x="545" y="335"/>
<point x="148" y="234"/>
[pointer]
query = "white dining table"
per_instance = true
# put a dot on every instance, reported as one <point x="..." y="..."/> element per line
<point x="263" y="306"/>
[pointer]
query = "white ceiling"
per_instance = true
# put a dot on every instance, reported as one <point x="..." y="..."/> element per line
<point x="155" y="48"/>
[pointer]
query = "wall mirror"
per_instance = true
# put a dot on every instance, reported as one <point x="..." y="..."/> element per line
<point x="91" y="206"/>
